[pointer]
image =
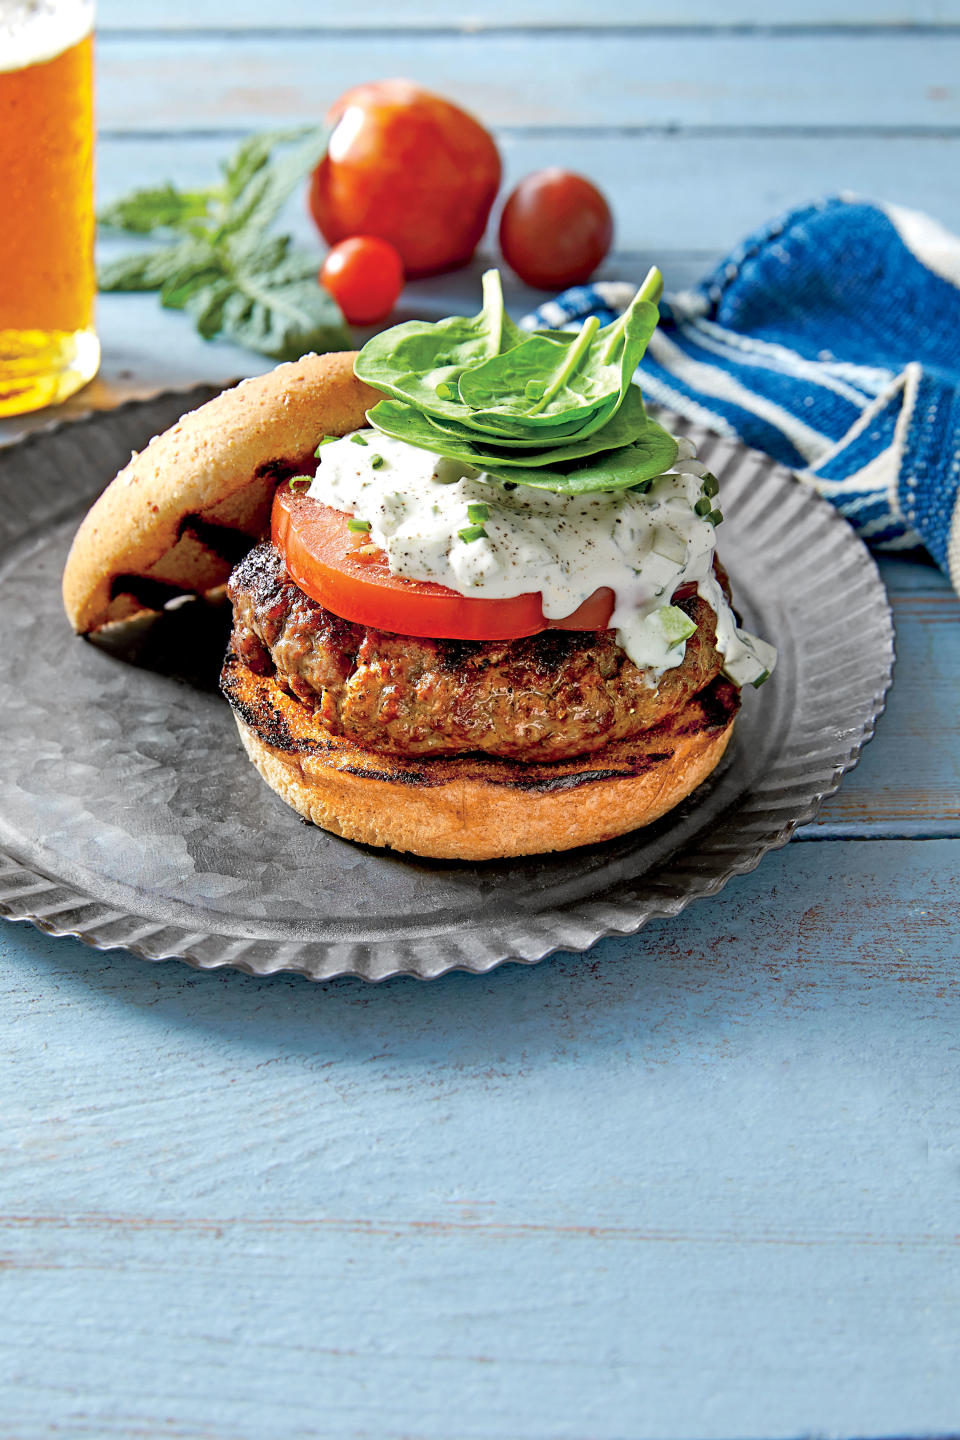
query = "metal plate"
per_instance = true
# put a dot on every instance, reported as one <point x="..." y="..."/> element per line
<point x="129" y="816"/>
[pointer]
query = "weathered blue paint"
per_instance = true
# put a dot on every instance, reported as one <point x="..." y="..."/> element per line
<point x="700" y="1182"/>
<point x="711" y="81"/>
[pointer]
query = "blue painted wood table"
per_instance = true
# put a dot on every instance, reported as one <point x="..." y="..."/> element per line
<point x="700" y="1182"/>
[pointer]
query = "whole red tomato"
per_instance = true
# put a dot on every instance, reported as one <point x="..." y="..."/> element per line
<point x="365" y="276"/>
<point x="555" y="229"/>
<point x="410" y="167"/>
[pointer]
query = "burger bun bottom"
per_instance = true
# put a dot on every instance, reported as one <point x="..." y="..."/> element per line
<point x="474" y="807"/>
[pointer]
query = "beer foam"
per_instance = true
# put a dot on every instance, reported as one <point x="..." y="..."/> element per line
<point x="32" y="31"/>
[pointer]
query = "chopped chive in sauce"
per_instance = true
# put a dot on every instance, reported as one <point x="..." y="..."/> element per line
<point x="358" y="527"/>
<point x="703" y="508"/>
<point x="764" y="675"/>
<point x="715" y="517"/>
<point x="470" y="533"/>
<point x="710" y="486"/>
<point x="297" y="480"/>
<point x="327" y="440"/>
<point x="376" y="461"/>
<point x="357" y="440"/>
<point x="476" y="514"/>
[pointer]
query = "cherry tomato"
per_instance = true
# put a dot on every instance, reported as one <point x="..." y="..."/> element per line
<point x="322" y="557"/>
<point x="365" y="276"/>
<point x="410" y="167"/>
<point x="555" y="229"/>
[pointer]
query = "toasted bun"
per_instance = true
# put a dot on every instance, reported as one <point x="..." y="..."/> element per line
<point x="184" y="511"/>
<point x="474" y="807"/>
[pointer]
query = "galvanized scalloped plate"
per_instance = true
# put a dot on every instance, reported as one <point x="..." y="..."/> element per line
<point x="130" y="818"/>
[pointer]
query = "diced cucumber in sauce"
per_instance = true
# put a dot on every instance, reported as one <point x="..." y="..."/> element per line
<point x="669" y="544"/>
<point x="675" y="624"/>
<point x="751" y="661"/>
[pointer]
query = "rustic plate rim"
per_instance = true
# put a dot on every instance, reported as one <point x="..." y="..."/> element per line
<point x="304" y="956"/>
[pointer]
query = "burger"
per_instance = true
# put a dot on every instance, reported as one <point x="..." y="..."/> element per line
<point x="477" y="609"/>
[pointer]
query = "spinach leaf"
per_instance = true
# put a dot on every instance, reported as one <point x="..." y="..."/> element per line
<point x="641" y="453"/>
<point x="411" y="360"/>
<point x="653" y="452"/>
<point x="558" y="406"/>
<point x="539" y="381"/>
<point x="522" y="440"/>
<point x="403" y="422"/>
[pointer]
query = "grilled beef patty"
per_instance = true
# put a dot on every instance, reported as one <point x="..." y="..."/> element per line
<point x="550" y="696"/>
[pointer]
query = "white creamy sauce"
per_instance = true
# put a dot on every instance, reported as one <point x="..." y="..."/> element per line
<point x="642" y="546"/>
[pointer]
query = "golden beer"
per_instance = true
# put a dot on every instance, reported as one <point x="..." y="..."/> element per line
<point x="48" y="346"/>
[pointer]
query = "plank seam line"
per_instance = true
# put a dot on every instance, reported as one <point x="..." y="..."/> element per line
<point x="639" y="131"/>
<point x="813" y="29"/>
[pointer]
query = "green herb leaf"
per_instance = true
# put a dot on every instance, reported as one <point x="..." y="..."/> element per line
<point x="143" y="270"/>
<point x="259" y="183"/>
<point x="228" y="273"/>
<point x="159" y="207"/>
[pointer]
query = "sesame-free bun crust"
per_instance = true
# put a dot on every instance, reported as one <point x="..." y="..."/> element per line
<point x="188" y="507"/>
<point x="474" y="807"/>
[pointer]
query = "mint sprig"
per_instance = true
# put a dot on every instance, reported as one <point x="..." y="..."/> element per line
<point x="223" y="268"/>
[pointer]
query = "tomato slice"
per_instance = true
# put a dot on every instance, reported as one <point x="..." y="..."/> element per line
<point x="320" y="554"/>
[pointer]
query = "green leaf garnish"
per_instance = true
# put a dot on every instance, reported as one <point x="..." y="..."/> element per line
<point x="557" y="410"/>
<point x="232" y="277"/>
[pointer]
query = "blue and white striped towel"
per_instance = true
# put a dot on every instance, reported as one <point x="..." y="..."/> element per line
<point x="831" y="340"/>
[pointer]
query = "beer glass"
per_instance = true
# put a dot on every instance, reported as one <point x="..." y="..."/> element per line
<point x="48" y="346"/>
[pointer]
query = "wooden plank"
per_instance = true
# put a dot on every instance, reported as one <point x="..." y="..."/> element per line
<point x="518" y="14"/>
<point x="908" y="781"/>
<point x="691" y="196"/>
<point x="700" y="1182"/>
<point x="710" y="82"/>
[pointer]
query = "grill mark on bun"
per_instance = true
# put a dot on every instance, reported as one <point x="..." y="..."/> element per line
<point x="222" y="541"/>
<point x="147" y="593"/>
<point x="550" y="784"/>
<point x="399" y="776"/>
<point x="261" y="716"/>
